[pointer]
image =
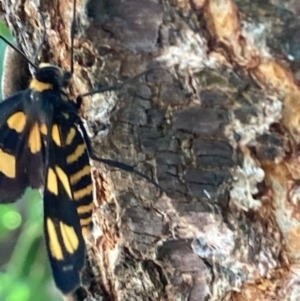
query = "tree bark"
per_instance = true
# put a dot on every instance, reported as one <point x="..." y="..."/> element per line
<point x="217" y="126"/>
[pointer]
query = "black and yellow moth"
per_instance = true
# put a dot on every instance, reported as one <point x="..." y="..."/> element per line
<point x="44" y="144"/>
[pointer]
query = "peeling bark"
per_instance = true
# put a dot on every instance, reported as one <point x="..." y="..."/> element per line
<point x="217" y="126"/>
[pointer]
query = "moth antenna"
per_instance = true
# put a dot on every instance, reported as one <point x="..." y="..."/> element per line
<point x="117" y="87"/>
<point x="34" y="64"/>
<point x="18" y="51"/>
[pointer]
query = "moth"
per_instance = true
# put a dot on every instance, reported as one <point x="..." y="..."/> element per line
<point x="43" y="143"/>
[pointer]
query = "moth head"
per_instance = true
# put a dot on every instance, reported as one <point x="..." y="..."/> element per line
<point x="53" y="75"/>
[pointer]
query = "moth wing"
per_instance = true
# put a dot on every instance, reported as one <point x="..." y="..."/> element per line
<point x="15" y="156"/>
<point x="64" y="239"/>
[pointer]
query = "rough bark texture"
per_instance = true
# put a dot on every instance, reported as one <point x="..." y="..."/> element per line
<point x="217" y="127"/>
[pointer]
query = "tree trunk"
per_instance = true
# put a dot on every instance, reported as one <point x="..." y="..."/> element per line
<point x="216" y="125"/>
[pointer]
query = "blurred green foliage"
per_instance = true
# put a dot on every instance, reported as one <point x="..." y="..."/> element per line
<point x="5" y="32"/>
<point x="24" y="268"/>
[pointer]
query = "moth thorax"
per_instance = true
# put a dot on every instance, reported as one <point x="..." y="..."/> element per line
<point x="52" y="75"/>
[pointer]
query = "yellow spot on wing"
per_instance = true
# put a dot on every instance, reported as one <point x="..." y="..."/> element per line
<point x="85" y="221"/>
<point x="79" y="194"/>
<point x="85" y="209"/>
<point x="80" y="174"/>
<point x="55" y="247"/>
<point x="52" y="181"/>
<point x="55" y="135"/>
<point x="34" y="141"/>
<point x="38" y="86"/>
<point x="43" y="129"/>
<point x="66" y="115"/>
<point x="81" y="148"/>
<point x="7" y="164"/>
<point x="70" y="136"/>
<point x="64" y="180"/>
<point x="70" y="238"/>
<point x="17" y="122"/>
<point x="85" y="231"/>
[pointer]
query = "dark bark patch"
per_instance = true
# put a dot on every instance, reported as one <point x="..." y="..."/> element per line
<point x="201" y="121"/>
